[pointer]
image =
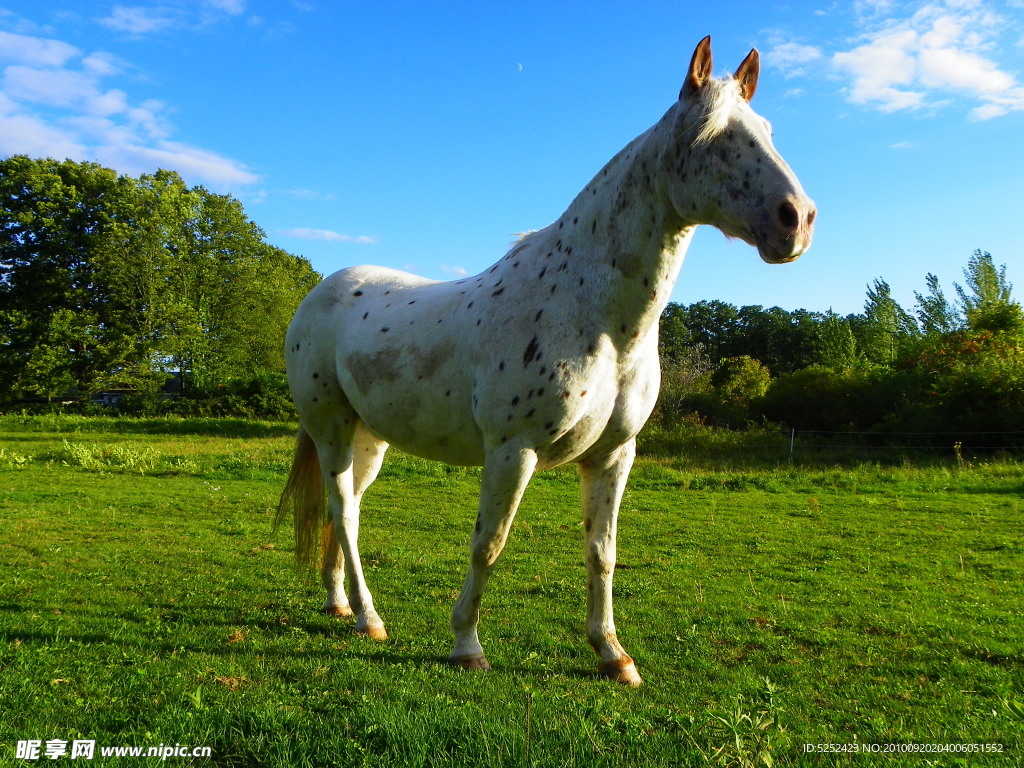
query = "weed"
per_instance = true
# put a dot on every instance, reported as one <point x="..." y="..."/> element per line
<point x="11" y="460"/>
<point x="1015" y="708"/>
<point x="109" y="457"/>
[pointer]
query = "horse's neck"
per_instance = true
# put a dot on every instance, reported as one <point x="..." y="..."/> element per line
<point x="624" y="238"/>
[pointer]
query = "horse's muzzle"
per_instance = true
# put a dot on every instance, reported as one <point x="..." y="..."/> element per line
<point x="790" y="231"/>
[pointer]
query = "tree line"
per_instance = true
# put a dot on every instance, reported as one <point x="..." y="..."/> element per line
<point x="109" y="282"/>
<point x="113" y="283"/>
<point x="946" y="365"/>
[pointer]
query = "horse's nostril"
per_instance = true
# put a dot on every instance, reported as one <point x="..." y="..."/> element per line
<point x="789" y="217"/>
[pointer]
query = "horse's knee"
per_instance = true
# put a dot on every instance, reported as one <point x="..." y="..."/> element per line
<point x="484" y="554"/>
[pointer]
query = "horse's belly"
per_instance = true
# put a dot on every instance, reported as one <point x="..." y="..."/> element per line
<point x="427" y="421"/>
<point x="445" y="445"/>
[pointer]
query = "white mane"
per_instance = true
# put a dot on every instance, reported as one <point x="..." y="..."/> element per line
<point x="718" y="99"/>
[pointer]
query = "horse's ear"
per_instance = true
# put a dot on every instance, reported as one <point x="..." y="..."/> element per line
<point x="700" y="69"/>
<point x="747" y="74"/>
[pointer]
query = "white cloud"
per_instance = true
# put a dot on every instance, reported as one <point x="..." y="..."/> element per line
<point x="22" y="134"/>
<point x="62" y="88"/>
<point x="310" y="194"/>
<point x="139" y="20"/>
<point x="190" y="162"/>
<point x="103" y="64"/>
<point x="232" y="7"/>
<point x="301" y="233"/>
<point x="142" y="20"/>
<point x="54" y="102"/>
<point x="457" y="271"/>
<point x="949" y="67"/>
<point x="882" y="70"/>
<point x="35" y="51"/>
<point x="942" y="50"/>
<point x="792" y="57"/>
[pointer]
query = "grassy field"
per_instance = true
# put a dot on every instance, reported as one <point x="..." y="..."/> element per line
<point x="144" y="602"/>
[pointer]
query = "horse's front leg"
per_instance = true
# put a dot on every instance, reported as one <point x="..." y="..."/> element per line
<point x="602" y="483"/>
<point x="506" y="473"/>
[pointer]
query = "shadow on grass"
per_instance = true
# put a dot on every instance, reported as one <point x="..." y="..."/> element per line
<point x="376" y="654"/>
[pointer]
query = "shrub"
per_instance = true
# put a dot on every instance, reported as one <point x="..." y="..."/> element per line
<point x="264" y="396"/>
<point x="816" y="398"/>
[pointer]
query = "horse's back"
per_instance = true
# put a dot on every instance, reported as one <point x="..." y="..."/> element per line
<point x="392" y="342"/>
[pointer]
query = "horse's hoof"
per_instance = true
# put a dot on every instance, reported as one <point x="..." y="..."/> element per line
<point x="374" y="633"/>
<point x="336" y="610"/>
<point x="470" y="662"/>
<point x="621" y="671"/>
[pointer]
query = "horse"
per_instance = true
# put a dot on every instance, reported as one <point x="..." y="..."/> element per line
<point x="547" y="357"/>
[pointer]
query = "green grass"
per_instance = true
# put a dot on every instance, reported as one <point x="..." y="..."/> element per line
<point x="143" y="601"/>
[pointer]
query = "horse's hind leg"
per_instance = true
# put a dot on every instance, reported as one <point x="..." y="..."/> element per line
<point x="336" y="440"/>
<point x="332" y="573"/>
<point x="367" y="456"/>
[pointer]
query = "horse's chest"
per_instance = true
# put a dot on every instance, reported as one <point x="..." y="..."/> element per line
<point x="600" y="412"/>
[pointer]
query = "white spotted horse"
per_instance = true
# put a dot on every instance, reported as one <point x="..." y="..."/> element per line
<point x="549" y="356"/>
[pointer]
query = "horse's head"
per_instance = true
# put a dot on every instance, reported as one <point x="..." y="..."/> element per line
<point x="726" y="171"/>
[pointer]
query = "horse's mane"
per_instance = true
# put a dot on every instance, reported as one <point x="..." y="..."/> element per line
<point x="718" y="98"/>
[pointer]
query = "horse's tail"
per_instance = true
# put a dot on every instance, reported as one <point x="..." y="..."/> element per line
<point x="304" y="493"/>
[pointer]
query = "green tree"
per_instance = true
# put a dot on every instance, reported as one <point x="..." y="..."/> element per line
<point x="987" y="301"/>
<point x="54" y="217"/>
<point x="783" y="341"/>
<point x="934" y="312"/>
<point x="886" y="328"/>
<point x="673" y="334"/>
<point x="108" y="281"/>
<point x="712" y="324"/>
<point x="227" y="275"/>
<point x="837" y="346"/>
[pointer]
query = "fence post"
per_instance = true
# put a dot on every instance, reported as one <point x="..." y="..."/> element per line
<point x="792" y="440"/>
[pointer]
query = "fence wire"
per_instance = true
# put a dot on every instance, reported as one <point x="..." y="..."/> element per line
<point x="951" y="442"/>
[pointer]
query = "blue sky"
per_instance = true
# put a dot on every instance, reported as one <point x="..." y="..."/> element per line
<point x="425" y="135"/>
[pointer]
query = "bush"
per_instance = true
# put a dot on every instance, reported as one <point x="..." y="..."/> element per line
<point x="816" y="398"/>
<point x="681" y="377"/>
<point x="740" y="380"/>
<point x="721" y="398"/>
<point x="975" y="383"/>
<point x="265" y="396"/>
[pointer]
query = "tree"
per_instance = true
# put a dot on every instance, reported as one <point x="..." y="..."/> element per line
<point x="740" y="380"/>
<point x="673" y="335"/>
<point x="108" y="281"/>
<point x="837" y="346"/>
<point x="988" y="306"/>
<point x="54" y="217"/>
<point x="886" y="327"/>
<point x="712" y="324"/>
<point x="783" y="341"/>
<point x="934" y="312"/>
